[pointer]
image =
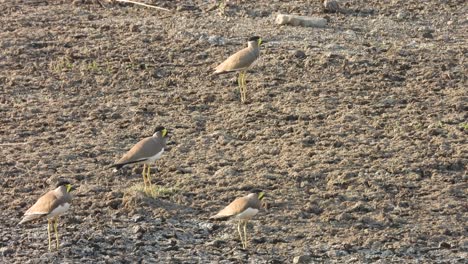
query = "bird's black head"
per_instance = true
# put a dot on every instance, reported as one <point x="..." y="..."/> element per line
<point x="257" y="39"/>
<point x="160" y="129"/>
<point x="259" y="192"/>
<point x="64" y="183"/>
<point x="254" y="38"/>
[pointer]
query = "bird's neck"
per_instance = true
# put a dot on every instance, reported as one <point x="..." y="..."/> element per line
<point x="252" y="45"/>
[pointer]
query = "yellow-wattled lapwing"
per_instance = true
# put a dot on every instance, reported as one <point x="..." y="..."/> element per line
<point x="146" y="151"/>
<point x="51" y="205"/>
<point x="241" y="61"/>
<point x="242" y="209"/>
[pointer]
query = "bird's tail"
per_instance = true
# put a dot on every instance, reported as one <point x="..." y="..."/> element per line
<point x="116" y="166"/>
<point x="30" y="217"/>
<point x="219" y="217"/>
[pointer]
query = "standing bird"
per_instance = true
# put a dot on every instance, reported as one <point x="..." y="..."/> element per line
<point x="51" y="205"/>
<point x="242" y="209"/>
<point x="241" y="61"/>
<point x="146" y="151"/>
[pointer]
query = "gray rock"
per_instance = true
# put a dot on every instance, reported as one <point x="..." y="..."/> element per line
<point x="305" y="21"/>
<point x="137" y="218"/>
<point x="137" y="229"/>
<point x="302" y="259"/>
<point x="402" y="15"/>
<point x="206" y="226"/>
<point x="216" y="243"/>
<point x="335" y="253"/>
<point x="6" y="251"/>
<point x="299" y="54"/>
<point x="216" y="40"/>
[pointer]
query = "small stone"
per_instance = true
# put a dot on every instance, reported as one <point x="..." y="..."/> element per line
<point x="299" y="54"/>
<point x="302" y="259"/>
<point x="464" y="244"/>
<point x="6" y="251"/>
<point x="137" y="229"/>
<point x="337" y="253"/>
<point x="331" y="6"/>
<point x="206" y="226"/>
<point x="350" y="34"/>
<point x="216" y="40"/>
<point x="114" y="204"/>
<point x="410" y="251"/>
<point x="135" y="28"/>
<point x="116" y="116"/>
<point x="137" y="218"/>
<point x="215" y="243"/>
<point x="445" y="245"/>
<point x="401" y="15"/>
<point x="428" y="35"/>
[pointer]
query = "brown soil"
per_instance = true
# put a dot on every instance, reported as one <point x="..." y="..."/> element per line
<point x="357" y="131"/>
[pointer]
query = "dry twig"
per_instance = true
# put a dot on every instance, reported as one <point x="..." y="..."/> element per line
<point x="142" y="4"/>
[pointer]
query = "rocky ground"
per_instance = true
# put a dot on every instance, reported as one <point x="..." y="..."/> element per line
<point x="356" y="131"/>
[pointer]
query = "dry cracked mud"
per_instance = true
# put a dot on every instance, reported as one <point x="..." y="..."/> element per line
<point x="356" y="131"/>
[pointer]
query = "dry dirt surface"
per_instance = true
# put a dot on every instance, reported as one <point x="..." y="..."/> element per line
<point x="356" y="131"/>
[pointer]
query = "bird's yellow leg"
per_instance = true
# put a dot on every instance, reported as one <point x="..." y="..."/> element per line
<point x="245" y="234"/>
<point x="56" y="232"/>
<point x="148" y="175"/>
<point x="48" y="232"/>
<point x="239" y="82"/>
<point x="244" y="85"/>
<point x="240" y="232"/>
<point x="241" y="88"/>
<point x="144" y="176"/>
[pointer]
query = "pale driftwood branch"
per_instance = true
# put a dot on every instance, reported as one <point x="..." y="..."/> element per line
<point x="142" y="4"/>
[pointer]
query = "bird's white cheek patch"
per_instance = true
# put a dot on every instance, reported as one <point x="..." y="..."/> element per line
<point x="249" y="213"/>
<point x="60" y="209"/>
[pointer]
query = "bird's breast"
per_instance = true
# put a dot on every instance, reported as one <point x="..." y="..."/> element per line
<point x="247" y="214"/>
<point x="59" y="210"/>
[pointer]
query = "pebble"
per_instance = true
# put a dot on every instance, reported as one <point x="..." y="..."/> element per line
<point x="299" y="54"/>
<point x="216" y="40"/>
<point x="302" y="259"/>
<point x="5" y="251"/>
<point x="428" y="35"/>
<point x="445" y="245"/>
<point x="402" y="15"/>
<point x="137" y="218"/>
<point x="350" y="34"/>
<point x="206" y="226"/>
<point x="215" y="243"/>
<point x="331" y="6"/>
<point x="137" y="229"/>
<point x="336" y="253"/>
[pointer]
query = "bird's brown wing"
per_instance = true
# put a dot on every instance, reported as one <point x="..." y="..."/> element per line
<point x="237" y="206"/>
<point x="239" y="60"/>
<point x="143" y="150"/>
<point x="44" y="205"/>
